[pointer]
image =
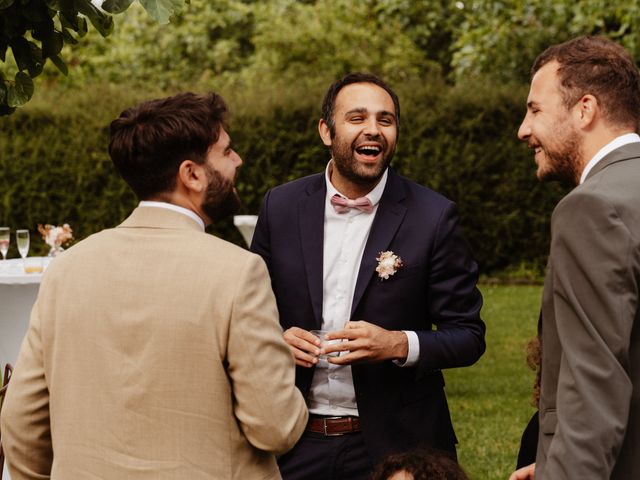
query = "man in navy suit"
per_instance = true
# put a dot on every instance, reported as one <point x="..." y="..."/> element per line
<point x="379" y="262"/>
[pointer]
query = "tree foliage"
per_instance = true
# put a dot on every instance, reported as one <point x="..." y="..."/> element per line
<point x="36" y="31"/>
<point x="500" y="39"/>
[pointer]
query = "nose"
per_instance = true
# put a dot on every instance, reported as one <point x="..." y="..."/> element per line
<point x="371" y="126"/>
<point x="237" y="160"/>
<point x="524" y="132"/>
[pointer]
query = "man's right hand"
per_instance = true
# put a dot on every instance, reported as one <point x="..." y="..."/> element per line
<point x="304" y="346"/>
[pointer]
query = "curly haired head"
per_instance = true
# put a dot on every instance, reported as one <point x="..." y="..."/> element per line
<point x="421" y="464"/>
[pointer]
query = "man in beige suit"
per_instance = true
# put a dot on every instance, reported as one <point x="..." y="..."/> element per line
<point x="582" y="117"/>
<point x="154" y="349"/>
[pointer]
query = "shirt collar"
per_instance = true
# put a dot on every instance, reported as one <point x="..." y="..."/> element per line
<point x="608" y="148"/>
<point x="374" y="195"/>
<point x="175" y="208"/>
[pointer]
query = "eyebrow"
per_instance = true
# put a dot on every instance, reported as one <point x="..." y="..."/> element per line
<point x="229" y="146"/>
<point x="531" y="104"/>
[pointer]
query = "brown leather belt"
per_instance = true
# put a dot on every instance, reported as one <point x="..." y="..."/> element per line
<point x="333" y="426"/>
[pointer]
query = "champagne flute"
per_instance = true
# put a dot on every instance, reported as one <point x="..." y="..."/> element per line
<point x="4" y="241"/>
<point x="22" y="238"/>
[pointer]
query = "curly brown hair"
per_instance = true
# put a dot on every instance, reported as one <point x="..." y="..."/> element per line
<point x="421" y="464"/>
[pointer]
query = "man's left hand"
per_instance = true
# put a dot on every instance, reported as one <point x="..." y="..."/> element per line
<point x="366" y="342"/>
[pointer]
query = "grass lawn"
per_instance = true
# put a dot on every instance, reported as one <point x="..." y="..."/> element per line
<point x="490" y="402"/>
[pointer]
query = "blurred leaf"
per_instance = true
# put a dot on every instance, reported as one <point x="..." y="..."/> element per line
<point x="116" y="6"/>
<point x="37" y="12"/>
<point x="162" y="10"/>
<point x="28" y="56"/>
<point x="5" y="3"/>
<point x="100" y="20"/>
<point x="21" y="92"/>
<point x="52" y="44"/>
<point x="60" y="64"/>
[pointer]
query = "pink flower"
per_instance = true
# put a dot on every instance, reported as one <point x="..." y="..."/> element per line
<point x="388" y="264"/>
<point x="55" y="236"/>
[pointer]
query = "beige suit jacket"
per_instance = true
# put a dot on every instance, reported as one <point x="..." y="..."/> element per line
<point x="153" y="352"/>
<point x="590" y="397"/>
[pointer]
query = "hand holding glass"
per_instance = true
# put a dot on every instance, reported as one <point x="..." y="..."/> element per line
<point x="4" y="242"/>
<point x="321" y="334"/>
<point x="22" y="238"/>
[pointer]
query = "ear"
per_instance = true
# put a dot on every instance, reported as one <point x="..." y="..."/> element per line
<point x="325" y="133"/>
<point x="192" y="176"/>
<point x="588" y="110"/>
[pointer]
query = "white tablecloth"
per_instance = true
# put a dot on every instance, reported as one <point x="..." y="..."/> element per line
<point x="18" y="292"/>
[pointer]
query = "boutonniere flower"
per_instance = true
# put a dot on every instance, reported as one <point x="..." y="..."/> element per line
<point x="388" y="264"/>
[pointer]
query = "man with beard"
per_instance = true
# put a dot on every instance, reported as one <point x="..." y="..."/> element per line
<point x="154" y="350"/>
<point x="379" y="262"/>
<point x="582" y="117"/>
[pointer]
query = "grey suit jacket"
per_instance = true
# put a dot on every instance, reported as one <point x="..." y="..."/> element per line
<point x="590" y="398"/>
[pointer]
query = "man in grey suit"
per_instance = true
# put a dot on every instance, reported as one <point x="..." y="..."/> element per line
<point x="582" y="117"/>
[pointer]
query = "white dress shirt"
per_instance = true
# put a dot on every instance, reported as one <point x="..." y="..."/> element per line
<point x="608" y="148"/>
<point x="176" y="208"/>
<point x="345" y="236"/>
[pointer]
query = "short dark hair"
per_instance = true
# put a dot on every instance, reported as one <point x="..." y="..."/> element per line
<point x="329" y="102"/>
<point x="598" y="66"/>
<point x="151" y="140"/>
<point x="422" y="464"/>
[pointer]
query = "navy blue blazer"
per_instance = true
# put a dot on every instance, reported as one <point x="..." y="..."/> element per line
<point x="433" y="294"/>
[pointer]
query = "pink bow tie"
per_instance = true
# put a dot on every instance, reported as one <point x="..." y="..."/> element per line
<point x="343" y="205"/>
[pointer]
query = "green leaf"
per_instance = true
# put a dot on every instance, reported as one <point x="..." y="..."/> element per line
<point x="68" y="37"/>
<point x="116" y="6"/>
<point x="59" y="62"/>
<point x="100" y="20"/>
<point x="52" y="44"/>
<point x="21" y="92"/>
<point x="5" y="4"/>
<point x="162" y="10"/>
<point x="28" y="56"/>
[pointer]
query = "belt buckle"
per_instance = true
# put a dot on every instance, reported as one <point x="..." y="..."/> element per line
<point x="324" y="424"/>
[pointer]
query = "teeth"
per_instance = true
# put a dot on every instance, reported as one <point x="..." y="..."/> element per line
<point x="369" y="148"/>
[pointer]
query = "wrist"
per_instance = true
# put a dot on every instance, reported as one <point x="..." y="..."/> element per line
<point x="400" y="349"/>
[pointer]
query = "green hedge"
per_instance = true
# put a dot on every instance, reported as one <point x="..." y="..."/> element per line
<point x="460" y="141"/>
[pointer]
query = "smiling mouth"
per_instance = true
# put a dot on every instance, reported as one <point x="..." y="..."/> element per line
<point x="369" y="151"/>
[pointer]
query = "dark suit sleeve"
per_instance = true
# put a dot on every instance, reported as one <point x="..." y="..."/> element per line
<point x="261" y="243"/>
<point x="454" y="301"/>
<point x="595" y="297"/>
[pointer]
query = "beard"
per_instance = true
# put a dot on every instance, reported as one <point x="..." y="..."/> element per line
<point x="562" y="158"/>
<point x="221" y="199"/>
<point x="346" y="163"/>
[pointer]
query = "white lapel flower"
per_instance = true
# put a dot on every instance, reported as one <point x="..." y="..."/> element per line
<point x="388" y="264"/>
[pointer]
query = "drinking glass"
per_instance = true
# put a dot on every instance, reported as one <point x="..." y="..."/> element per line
<point x="22" y="238"/>
<point x="4" y="241"/>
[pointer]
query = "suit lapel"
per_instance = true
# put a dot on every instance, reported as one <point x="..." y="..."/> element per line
<point x="626" y="152"/>
<point x="311" y="222"/>
<point x="389" y="216"/>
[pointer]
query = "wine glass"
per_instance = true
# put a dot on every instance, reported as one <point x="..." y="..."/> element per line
<point x="22" y="238"/>
<point x="4" y="241"/>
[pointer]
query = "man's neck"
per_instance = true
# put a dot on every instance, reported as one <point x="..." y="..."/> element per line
<point x="185" y="202"/>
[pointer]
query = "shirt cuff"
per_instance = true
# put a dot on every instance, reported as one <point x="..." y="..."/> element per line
<point x="413" y="355"/>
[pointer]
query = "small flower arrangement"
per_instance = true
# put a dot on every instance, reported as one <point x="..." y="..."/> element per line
<point x="388" y="264"/>
<point x="55" y="237"/>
